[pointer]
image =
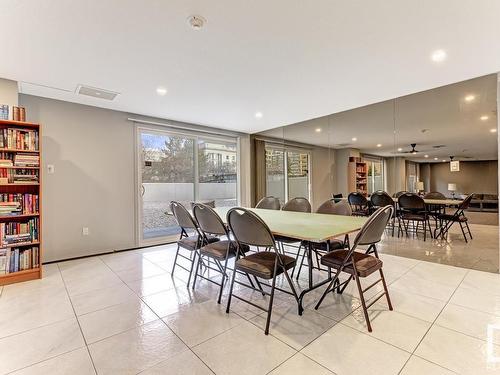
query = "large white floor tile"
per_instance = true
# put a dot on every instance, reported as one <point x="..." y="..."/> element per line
<point x="39" y="344"/>
<point x="152" y="285"/>
<point x="86" y="267"/>
<point x="77" y="362"/>
<point x="345" y="350"/>
<point x="99" y="299"/>
<point x="170" y="301"/>
<point x="471" y="322"/>
<point x="293" y="329"/>
<point x="200" y="322"/>
<point x="103" y="323"/>
<point x="140" y="271"/>
<point x="243" y="350"/>
<point x="423" y="287"/>
<point x="419" y="366"/>
<point x="51" y="279"/>
<point x="400" y="330"/>
<point x="185" y="363"/>
<point x="124" y="260"/>
<point x="299" y="364"/>
<point x="135" y="350"/>
<point x="334" y="306"/>
<point x="421" y="307"/>
<point x="34" y="308"/>
<point x="480" y="300"/>
<point x="438" y="273"/>
<point x="483" y="281"/>
<point x="460" y="353"/>
<point x="89" y="283"/>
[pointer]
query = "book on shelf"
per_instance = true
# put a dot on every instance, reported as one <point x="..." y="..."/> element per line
<point x="26" y="160"/>
<point x="18" y="176"/>
<point x="4" y="111"/>
<point x="27" y="203"/>
<point x="15" y="233"/>
<point x="19" y="139"/>
<point x="18" y="113"/>
<point x="18" y="259"/>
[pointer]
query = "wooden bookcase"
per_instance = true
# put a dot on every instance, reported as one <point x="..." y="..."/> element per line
<point x="357" y="175"/>
<point x="23" y="188"/>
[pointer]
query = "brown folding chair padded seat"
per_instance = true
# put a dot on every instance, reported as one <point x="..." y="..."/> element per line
<point x="412" y="216"/>
<point x="335" y="244"/>
<point x="365" y="264"/>
<point x="449" y="217"/>
<point x="189" y="243"/>
<point x="218" y="250"/>
<point x="262" y="264"/>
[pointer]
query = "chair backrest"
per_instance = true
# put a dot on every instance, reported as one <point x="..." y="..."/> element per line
<point x="434" y="195"/>
<point x="337" y="197"/>
<point x="411" y="202"/>
<point x="298" y="205"/>
<point x="399" y="193"/>
<point x="381" y="199"/>
<point x="208" y="220"/>
<point x="372" y="230"/>
<point x="332" y="208"/>
<point x="269" y="203"/>
<point x="249" y="229"/>
<point x="357" y="199"/>
<point x="466" y="202"/>
<point x="326" y="207"/>
<point x="183" y="217"/>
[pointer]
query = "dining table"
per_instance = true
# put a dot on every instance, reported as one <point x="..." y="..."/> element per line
<point x="307" y="228"/>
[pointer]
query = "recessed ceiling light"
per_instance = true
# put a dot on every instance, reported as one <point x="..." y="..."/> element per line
<point x="162" y="91"/>
<point x="493" y="130"/>
<point x="444" y="161"/>
<point x="470" y="98"/>
<point x="400" y="149"/>
<point x="354" y="139"/>
<point x="379" y="145"/>
<point x="318" y="130"/>
<point x="484" y="118"/>
<point x="435" y="158"/>
<point x="438" y="56"/>
<point x="258" y="115"/>
<point x="426" y="156"/>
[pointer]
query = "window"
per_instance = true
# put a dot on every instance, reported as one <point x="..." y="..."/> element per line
<point x="292" y="183"/>
<point x="375" y="174"/>
<point x="184" y="168"/>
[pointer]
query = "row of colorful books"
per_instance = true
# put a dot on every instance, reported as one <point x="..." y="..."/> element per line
<point x="19" y="259"/>
<point x="19" y="204"/>
<point x="18" y="176"/>
<point x="26" y="160"/>
<point x="17" y="113"/>
<point x="19" y="139"/>
<point x="12" y="233"/>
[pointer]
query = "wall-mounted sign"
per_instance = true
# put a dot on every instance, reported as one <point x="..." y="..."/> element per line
<point x="455" y="166"/>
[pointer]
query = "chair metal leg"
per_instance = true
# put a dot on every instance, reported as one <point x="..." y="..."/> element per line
<point x="224" y="276"/>
<point x="389" y="303"/>
<point x="363" y="303"/>
<point x="175" y="259"/>
<point x="231" y="288"/>
<point x="301" y="263"/>
<point x="192" y="267"/>
<point x="468" y="229"/>
<point x="196" y="269"/>
<point x="296" y="259"/>
<point x="463" y="232"/>
<point x="271" y="298"/>
<point x="328" y="289"/>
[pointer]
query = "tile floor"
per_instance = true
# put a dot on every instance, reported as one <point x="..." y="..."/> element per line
<point x="125" y="314"/>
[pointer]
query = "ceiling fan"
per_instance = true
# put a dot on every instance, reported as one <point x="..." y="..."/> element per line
<point x="412" y="151"/>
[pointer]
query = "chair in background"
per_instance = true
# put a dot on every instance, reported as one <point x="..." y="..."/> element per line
<point x="296" y="205"/>
<point x="359" y="204"/>
<point x="186" y="241"/>
<point x="269" y="203"/>
<point x="329" y="208"/>
<point x="381" y="199"/>
<point x="359" y="265"/>
<point x="446" y="221"/>
<point x="413" y="209"/>
<point x="398" y="194"/>
<point x="435" y="210"/>
<point x="250" y="230"/>
<point x="337" y="197"/>
<point x="210" y="224"/>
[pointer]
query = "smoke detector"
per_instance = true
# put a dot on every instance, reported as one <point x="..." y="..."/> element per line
<point x="196" y="22"/>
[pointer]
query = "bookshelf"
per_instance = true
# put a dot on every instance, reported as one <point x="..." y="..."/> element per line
<point x="357" y="175"/>
<point x="20" y="202"/>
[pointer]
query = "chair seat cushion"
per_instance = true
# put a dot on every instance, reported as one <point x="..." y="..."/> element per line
<point x="261" y="264"/>
<point x="191" y="242"/>
<point x="413" y="216"/>
<point x="218" y="250"/>
<point x="361" y="212"/>
<point x="285" y="239"/>
<point x="448" y="217"/>
<point x="365" y="264"/>
<point x="335" y="244"/>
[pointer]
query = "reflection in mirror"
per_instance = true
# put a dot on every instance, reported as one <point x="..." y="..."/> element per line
<point x="437" y="143"/>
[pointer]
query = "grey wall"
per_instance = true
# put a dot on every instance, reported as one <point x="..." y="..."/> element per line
<point x="8" y="93"/>
<point x="474" y="177"/>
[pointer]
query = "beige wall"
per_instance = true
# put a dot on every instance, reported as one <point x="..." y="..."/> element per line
<point x="8" y="93"/>
<point x="474" y="177"/>
<point x="395" y="174"/>
<point x="322" y="175"/>
<point x="93" y="151"/>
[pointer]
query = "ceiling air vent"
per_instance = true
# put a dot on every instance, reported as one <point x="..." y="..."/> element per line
<point x="96" y="93"/>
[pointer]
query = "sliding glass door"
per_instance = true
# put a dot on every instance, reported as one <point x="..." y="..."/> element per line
<point x="287" y="174"/>
<point x="185" y="168"/>
<point x="375" y="174"/>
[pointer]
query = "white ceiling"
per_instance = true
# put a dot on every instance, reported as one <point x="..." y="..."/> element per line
<point x="292" y="60"/>
<point x="439" y="116"/>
